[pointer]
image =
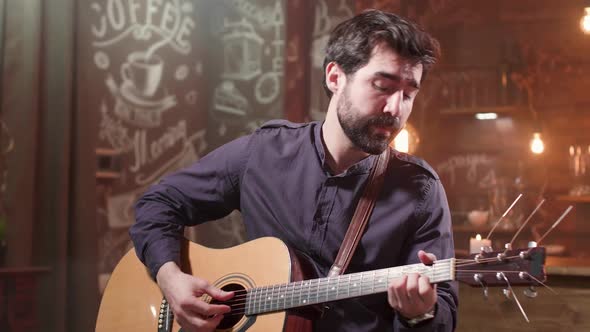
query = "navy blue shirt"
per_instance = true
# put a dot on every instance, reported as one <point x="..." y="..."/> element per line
<point x="279" y="179"/>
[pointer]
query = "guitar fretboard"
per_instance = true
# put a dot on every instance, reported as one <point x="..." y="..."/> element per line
<point x="302" y="293"/>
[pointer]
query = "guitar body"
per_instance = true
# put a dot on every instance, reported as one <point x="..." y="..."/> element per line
<point x="132" y="301"/>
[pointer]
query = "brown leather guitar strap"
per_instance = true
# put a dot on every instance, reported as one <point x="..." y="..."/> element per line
<point x="361" y="214"/>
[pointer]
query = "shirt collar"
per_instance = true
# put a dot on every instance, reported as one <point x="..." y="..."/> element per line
<point x="361" y="167"/>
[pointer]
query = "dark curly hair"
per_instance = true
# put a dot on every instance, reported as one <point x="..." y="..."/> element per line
<point x="352" y="41"/>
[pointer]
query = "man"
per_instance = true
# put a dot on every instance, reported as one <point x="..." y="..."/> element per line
<point x="301" y="183"/>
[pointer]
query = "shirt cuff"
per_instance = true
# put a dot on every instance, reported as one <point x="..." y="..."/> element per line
<point x="160" y="252"/>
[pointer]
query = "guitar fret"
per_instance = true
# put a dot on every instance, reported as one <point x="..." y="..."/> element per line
<point x="333" y="288"/>
<point x="303" y="299"/>
<point x="272" y="297"/>
<point x="313" y="295"/>
<point x="258" y="300"/>
<point x="291" y="295"/>
<point x="348" y="286"/>
<point x="249" y="301"/>
<point x="269" y="298"/>
<point x="354" y="287"/>
<point x="287" y="296"/>
<point x="276" y="297"/>
<point x="361" y="284"/>
<point x="318" y="291"/>
<point x="262" y="302"/>
<point x="306" y="297"/>
<point x="281" y="297"/>
<point x="255" y="300"/>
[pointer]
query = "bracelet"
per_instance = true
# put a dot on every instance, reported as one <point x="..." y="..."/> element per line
<point x="424" y="317"/>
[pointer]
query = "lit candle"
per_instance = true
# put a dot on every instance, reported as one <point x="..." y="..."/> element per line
<point x="475" y="244"/>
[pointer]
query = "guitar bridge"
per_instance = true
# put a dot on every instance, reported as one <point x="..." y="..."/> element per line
<point x="165" y="317"/>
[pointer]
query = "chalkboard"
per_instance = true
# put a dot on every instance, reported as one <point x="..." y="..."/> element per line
<point x="469" y="179"/>
<point x="468" y="171"/>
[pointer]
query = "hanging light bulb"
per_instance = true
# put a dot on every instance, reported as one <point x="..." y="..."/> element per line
<point x="402" y="141"/>
<point x="585" y="21"/>
<point x="537" y="145"/>
<point x="407" y="140"/>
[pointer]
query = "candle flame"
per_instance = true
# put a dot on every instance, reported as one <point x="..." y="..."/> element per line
<point x="478" y="237"/>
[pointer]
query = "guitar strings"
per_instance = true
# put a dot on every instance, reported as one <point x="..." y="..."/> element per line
<point x="298" y="286"/>
<point x="306" y="286"/>
<point x="263" y="302"/>
<point x="239" y="308"/>
<point x="240" y="299"/>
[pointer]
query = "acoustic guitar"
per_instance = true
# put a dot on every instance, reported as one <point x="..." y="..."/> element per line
<point x="271" y="289"/>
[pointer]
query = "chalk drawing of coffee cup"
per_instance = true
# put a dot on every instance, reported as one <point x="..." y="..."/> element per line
<point x="143" y="73"/>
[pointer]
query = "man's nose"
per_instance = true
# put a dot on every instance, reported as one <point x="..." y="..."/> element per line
<point x="394" y="103"/>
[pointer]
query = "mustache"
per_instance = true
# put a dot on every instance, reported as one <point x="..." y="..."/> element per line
<point x="385" y="121"/>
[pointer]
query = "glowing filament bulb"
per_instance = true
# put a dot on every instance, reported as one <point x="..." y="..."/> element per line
<point x="537" y="145"/>
<point x="402" y="141"/>
<point x="585" y="21"/>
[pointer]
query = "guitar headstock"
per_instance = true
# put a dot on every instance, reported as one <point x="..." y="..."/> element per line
<point x="519" y="266"/>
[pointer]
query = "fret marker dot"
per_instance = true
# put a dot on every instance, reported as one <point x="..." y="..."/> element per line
<point x="270" y="298"/>
<point x="354" y="284"/>
<point x="333" y="288"/>
<point x="380" y="280"/>
<point x="304" y="301"/>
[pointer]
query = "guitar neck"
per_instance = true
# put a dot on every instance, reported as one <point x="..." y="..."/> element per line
<point x="314" y="291"/>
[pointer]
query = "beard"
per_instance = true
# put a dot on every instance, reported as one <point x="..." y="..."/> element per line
<point x="361" y="131"/>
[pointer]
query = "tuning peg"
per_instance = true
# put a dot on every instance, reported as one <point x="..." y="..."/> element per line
<point x="531" y="292"/>
<point x="478" y="277"/>
<point x="502" y="256"/>
<point x="509" y="293"/>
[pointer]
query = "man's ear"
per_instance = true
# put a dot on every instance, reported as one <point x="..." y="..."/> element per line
<point x="335" y="77"/>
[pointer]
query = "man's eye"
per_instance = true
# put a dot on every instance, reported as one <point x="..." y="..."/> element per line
<point x="380" y="87"/>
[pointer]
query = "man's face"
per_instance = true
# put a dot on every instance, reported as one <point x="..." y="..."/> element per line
<point x="377" y="100"/>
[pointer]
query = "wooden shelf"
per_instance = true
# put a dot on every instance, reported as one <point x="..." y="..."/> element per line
<point x="485" y="230"/>
<point x="105" y="175"/>
<point x="574" y="199"/>
<point x="481" y="230"/>
<point x="8" y="271"/>
<point x="482" y="109"/>
<point x="571" y="266"/>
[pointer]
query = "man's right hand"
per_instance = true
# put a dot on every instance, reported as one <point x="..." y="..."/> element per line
<point x="183" y="290"/>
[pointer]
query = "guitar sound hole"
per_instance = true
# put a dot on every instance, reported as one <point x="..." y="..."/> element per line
<point x="237" y="304"/>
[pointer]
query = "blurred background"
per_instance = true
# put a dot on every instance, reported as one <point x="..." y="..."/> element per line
<point x="100" y="98"/>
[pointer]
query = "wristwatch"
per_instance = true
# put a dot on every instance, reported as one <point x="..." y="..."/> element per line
<point x="422" y="318"/>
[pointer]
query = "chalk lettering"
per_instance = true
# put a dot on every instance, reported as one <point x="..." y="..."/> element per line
<point x="116" y="14"/>
<point x="158" y="147"/>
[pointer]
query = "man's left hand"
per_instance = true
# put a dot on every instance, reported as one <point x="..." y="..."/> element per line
<point x="413" y="295"/>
